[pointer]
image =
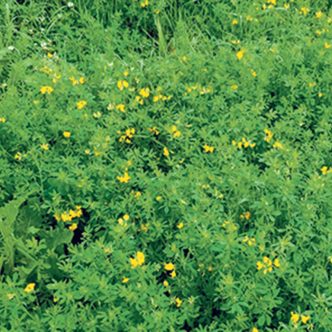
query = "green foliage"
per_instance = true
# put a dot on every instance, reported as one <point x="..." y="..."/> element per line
<point x="165" y="165"/>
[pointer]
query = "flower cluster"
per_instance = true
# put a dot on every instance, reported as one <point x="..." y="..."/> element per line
<point x="137" y="260"/>
<point x="81" y="104"/>
<point x="175" y="132"/>
<point x="244" y="143"/>
<point x="208" y="148"/>
<point x="170" y="268"/>
<point x="250" y="241"/>
<point x="326" y="170"/>
<point x="46" y="90"/>
<point x="296" y="318"/>
<point x="127" y="136"/>
<point x="74" y="81"/>
<point x="30" y="287"/>
<point x="202" y="90"/>
<point x="122" y="84"/>
<point x="124" y="178"/>
<point x="267" y="265"/>
<point x="69" y="215"/>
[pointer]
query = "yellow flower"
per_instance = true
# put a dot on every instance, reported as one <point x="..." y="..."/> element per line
<point x="124" y="178"/>
<point x="122" y="84"/>
<point x="78" y="212"/>
<point x="175" y="132"/>
<point x="97" y="115"/>
<point x="180" y="225"/>
<point x="319" y="14"/>
<point x="240" y="54"/>
<point x="173" y="274"/>
<point x="72" y="214"/>
<point x="18" y="156"/>
<point x="259" y="265"/>
<point x="3" y="120"/>
<point x="166" y="152"/>
<point x="138" y="260"/>
<point x="46" y="70"/>
<point x="144" y="227"/>
<point x="234" y="87"/>
<point x="125" y="280"/>
<point x="72" y="227"/>
<point x="65" y="216"/>
<point x="304" y="11"/>
<point x="120" y="107"/>
<point x="276" y="262"/>
<point x="73" y="80"/>
<point x="325" y="170"/>
<point x="295" y="317"/>
<point x="208" y="148"/>
<point x="139" y="100"/>
<point x="144" y="3"/>
<point x="137" y="194"/>
<point x="30" y="287"/>
<point x="127" y="136"/>
<point x="82" y="80"/>
<point x="66" y="134"/>
<point x="81" y="104"/>
<point x="178" y="302"/>
<point x="268" y="135"/>
<point x="243" y="143"/>
<point x="266" y="265"/>
<point x="235" y="21"/>
<point x="145" y="92"/>
<point x="272" y="2"/>
<point x="278" y="145"/>
<point x="246" y="215"/>
<point x="169" y="267"/>
<point x="126" y="217"/>
<point x="133" y="262"/>
<point x="267" y="261"/>
<point x="56" y="78"/>
<point x="165" y="283"/>
<point x="253" y="73"/>
<point x="44" y="146"/>
<point x="46" y="89"/>
<point x="254" y="329"/>
<point x="327" y="45"/>
<point x="251" y="241"/>
<point x="305" y="319"/>
<point x="156" y="98"/>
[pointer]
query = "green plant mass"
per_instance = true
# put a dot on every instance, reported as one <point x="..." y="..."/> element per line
<point x="166" y="165"/>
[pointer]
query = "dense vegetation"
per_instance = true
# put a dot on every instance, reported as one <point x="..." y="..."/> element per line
<point x="165" y="165"/>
